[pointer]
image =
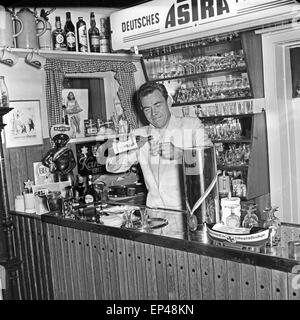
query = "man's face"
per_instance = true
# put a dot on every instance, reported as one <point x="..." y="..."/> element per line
<point x="156" y="109"/>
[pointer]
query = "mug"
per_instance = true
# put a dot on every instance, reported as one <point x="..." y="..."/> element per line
<point x="8" y="58"/>
<point x="35" y="60"/>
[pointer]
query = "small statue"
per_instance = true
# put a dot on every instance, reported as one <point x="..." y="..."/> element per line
<point x="60" y="159"/>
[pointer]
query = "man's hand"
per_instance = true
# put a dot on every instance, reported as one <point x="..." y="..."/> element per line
<point x="167" y="150"/>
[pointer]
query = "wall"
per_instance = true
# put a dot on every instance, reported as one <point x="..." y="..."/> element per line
<point x="282" y="121"/>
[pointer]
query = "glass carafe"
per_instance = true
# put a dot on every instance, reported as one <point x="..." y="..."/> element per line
<point x="4" y="99"/>
<point x="201" y="189"/>
<point x="274" y="224"/>
<point x="251" y="219"/>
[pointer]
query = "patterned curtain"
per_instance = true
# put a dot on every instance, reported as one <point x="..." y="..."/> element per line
<point x="56" y="70"/>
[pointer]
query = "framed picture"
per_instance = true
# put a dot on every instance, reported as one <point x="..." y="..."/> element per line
<point x="76" y="109"/>
<point x="23" y="124"/>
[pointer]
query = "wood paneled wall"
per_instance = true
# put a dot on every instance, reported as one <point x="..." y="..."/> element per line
<point x="65" y="263"/>
<point x="19" y="166"/>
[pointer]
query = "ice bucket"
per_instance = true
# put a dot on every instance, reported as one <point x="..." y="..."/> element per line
<point x="201" y="189"/>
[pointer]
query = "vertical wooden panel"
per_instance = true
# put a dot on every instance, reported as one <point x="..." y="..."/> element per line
<point x="66" y="260"/>
<point x="122" y="269"/>
<point x="150" y="272"/>
<point x="263" y="284"/>
<point x="183" y="275"/>
<point x="99" y="291"/>
<point x="33" y="154"/>
<point x="161" y="273"/>
<point x="234" y="280"/>
<point x="53" y="259"/>
<point x="194" y="261"/>
<point x="220" y="279"/>
<point x="74" y="265"/>
<point x="131" y="269"/>
<point x="113" y="266"/>
<point x="208" y="287"/>
<point x="9" y="180"/>
<point x="172" y="277"/>
<point x="279" y="285"/>
<point x="293" y="286"/>
<point x="105" y="267"/>
<point x="248" y="282"/>
<point x="140" y="258"/>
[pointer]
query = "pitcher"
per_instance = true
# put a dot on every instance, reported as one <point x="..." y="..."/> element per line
<point x="28" y="39"/>
<point x="7" y="35"/>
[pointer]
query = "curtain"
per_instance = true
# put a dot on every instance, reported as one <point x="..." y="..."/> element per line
<point x="56" y="69"/>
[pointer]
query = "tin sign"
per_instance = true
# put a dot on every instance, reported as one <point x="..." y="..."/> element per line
<point x="158" y="20"/>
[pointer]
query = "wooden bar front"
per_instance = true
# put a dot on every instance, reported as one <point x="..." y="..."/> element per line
<point x="63" y="262"/>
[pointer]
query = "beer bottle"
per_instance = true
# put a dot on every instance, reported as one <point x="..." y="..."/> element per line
<point x="94" y="35"/>
<point x="70" y="33"/>
<point x="90" y="194"/>
<point x="81" y="35"/>
<point x="58" y="36"/>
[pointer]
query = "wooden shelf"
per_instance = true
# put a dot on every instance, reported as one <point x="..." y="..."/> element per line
<point x="204" y="74"/>
<point x="232" y="168"/>
<point x="210" y="101"/>
<point x="244" y="115"/>
<point x="71" y="55"/>
<point x="93" y="138"/>
<point x="232" y="141"/>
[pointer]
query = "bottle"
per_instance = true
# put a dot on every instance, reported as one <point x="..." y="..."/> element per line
<point x="80" y="189"/>
<point x="94" y="35"/>
<point x="104" y="35"/>
<point x="90" y="194"/>
<point x="251" y="219"/>
<point x="70" y="33"/>
<point x="133" y="142"/>
<point x="4" y="99"/>
<point x="45" y="41"/>
<point x="224" y="185"/>
<point x="233" y="220"/>
<point x="81" y="35"/>
<point x="58" y="36"/>
<point x="274" y="224"/>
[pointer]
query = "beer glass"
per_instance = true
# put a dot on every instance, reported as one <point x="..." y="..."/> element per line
<point x="201" y="189"/>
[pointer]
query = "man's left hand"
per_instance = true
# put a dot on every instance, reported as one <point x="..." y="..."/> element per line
<point x="168" y="151"/>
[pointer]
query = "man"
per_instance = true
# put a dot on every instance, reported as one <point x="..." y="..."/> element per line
<point x="161" y="158"/>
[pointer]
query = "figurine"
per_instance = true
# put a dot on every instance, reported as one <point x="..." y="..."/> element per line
<point x="60" y="159"/>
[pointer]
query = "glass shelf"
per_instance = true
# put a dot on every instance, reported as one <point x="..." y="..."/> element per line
<point x="232" y="141"/>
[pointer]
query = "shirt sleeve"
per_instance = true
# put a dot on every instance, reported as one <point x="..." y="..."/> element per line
<point x="121" y="162"/>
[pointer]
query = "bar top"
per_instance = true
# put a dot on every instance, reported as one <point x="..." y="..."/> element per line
<point x="175" y="236"/>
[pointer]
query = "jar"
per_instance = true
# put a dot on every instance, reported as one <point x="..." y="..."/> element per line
<point x="4" y="99"/>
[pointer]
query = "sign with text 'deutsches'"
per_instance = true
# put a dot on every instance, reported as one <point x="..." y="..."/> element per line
<point x="157" y="21"/>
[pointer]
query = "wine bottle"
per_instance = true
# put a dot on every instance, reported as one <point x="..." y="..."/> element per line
<point x="133" y="142"/>
<point x="94" y="35"/>
<point x="90" y="193"/>
<point x="81" y="35"/>
<point x="58" y="36"/>
<point x="80" y="189"/>
<point x="70" y="33"/>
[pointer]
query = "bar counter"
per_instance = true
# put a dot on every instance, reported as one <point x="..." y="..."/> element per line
<point x="68" y="259"/>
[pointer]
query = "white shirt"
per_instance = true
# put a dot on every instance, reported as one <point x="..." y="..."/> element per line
<point x="163" y="177"/>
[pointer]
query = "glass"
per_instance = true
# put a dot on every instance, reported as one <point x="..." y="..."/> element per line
<point x="274" y="224"/>
<point x="4" y="99"/>
<point x="251" y="219"/>
<point x="201" y="190"/>
<point x="233" y="220"/>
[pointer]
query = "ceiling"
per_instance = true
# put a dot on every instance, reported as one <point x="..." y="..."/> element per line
<point x="72" y="3"/>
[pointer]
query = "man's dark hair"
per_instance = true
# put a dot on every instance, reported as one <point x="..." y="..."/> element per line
<point x="149" y="87"/>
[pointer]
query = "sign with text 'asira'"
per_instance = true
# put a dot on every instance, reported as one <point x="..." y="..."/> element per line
<point x="161" y="20"/>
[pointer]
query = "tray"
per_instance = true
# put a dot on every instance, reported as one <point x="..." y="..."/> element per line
<point x="257" y="236"/>
<point x="153" y="223"/>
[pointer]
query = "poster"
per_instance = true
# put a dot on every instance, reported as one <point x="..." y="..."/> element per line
<point x="75" y="103"/>
<point x="23" y="124"/>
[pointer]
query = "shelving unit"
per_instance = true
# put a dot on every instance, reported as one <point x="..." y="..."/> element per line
<point x="255" y="171"/>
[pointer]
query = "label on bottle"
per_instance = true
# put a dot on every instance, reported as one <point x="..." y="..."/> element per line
<point x="123" y="146"/>
<point x="82" y="38"/>
<point x="88" y="198"/>
<point x="104" y="45"/>
<point x="95" y="40"/>
<point x="71" y="40"/>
